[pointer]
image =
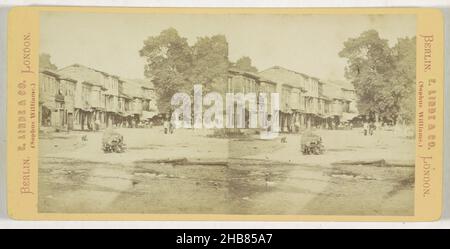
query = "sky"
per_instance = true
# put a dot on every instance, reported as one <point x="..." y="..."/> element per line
<point x="305" y="43"/>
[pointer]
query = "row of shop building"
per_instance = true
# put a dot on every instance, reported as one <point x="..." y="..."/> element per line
<point x="305" y="101"/>
<point x="81" y="98"/>
<point x="78" y="97"/>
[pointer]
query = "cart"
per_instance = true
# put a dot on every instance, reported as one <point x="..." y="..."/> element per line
<point x="311" y="144"/>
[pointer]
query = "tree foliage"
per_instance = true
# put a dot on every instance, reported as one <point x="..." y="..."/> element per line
<point x="383" y="76"/>
<point x="45" y="62"/>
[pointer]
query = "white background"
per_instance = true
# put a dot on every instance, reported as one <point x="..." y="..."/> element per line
<point x="5" y="222"/>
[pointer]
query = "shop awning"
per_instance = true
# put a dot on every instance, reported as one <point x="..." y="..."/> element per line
<point x="347" y="116"/>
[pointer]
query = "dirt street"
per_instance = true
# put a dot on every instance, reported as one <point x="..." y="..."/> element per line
<point x="191" y="172"/>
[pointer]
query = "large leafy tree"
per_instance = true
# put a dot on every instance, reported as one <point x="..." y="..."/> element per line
<point x="45" y="62"/>
<point x="378" y="73"/>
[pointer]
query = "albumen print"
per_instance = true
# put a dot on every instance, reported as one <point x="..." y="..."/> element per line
<point x="282" y="114"/>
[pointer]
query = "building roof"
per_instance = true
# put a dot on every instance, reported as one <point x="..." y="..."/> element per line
<point x="96" y="70"/>
<point x="285" y="76"/>
<point x="244" y="73"/>
<point x="57" y="75"/>
<point x="253" y="75"/>
<point x="68" y="79"/>
<point x="133" y="87"/>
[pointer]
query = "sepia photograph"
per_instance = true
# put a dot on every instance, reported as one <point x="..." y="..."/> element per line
<point x="227" y="113"/>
